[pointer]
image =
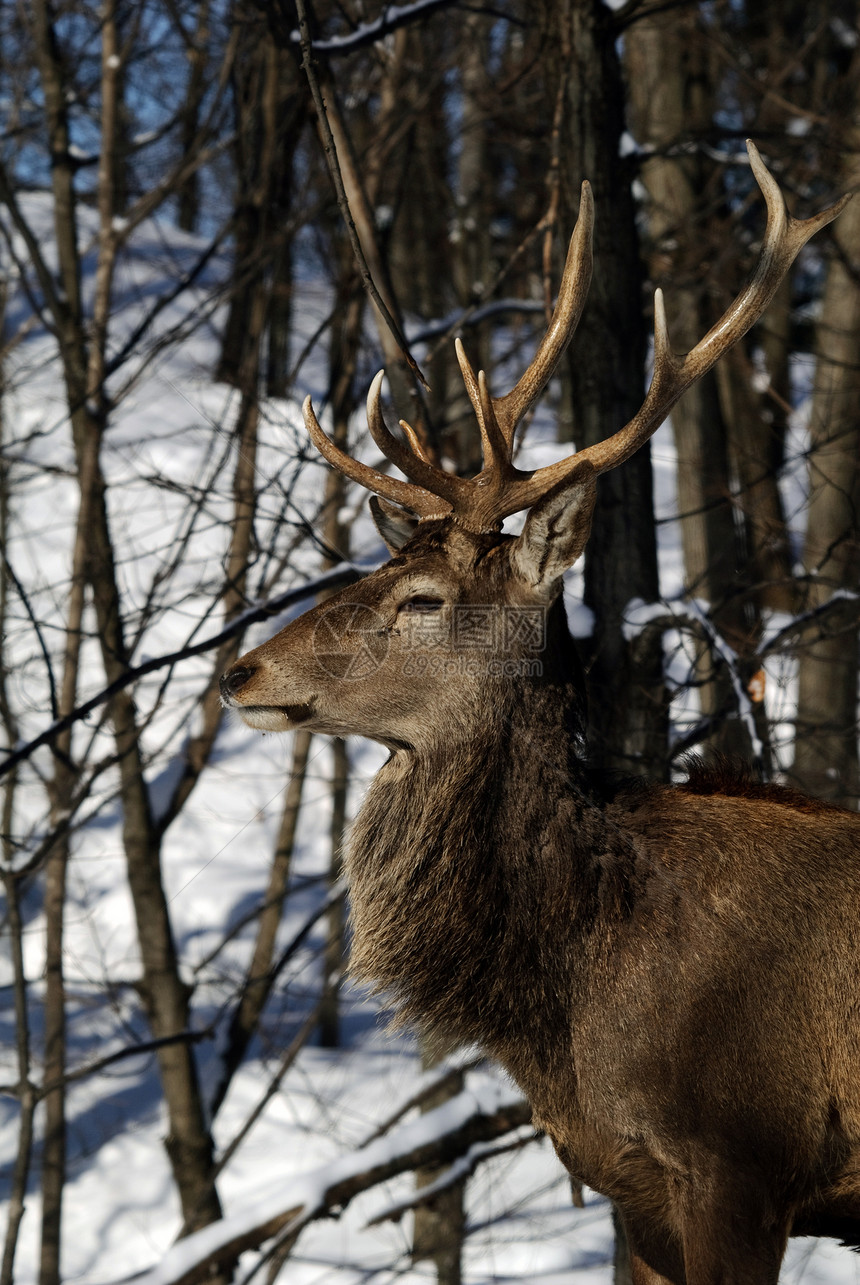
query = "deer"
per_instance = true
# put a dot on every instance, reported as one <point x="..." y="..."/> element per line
<point x="670" y="972"/>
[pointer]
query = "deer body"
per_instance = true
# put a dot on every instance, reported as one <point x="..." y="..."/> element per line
<point x="672" y="974"/>
<point x="628" y="962"/>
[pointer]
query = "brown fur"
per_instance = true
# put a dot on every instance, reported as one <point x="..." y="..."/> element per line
<point x="671" y="974"/>
<point x="722" y="776"/>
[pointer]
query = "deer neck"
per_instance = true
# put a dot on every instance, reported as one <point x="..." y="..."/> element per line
<point x="463" y="876"/>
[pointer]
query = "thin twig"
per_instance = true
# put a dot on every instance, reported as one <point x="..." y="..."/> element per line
<point x="37" y="628"/>
<point x="295" y="1047"/>
<point x="479" y="310"/>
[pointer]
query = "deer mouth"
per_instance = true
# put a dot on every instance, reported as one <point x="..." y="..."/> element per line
<point x="274" y="718"/>
<point x="298" y="713"/>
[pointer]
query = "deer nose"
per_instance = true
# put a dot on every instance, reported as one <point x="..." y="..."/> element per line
<point x="235" y="679"/>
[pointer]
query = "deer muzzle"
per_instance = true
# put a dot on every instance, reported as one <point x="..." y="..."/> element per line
<point x="237" y="693"/>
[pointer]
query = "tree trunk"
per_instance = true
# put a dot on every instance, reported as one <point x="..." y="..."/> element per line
<point x="269" y="113"/>
<point x="471" y="270"/>
<point x="439" y="1228"/>
<point x="606" y="362"/>
<point x="197" y="54"/>
<point x="671" y="98"/>
<point x="343" y="358"/>
<point x="826" y="751"/>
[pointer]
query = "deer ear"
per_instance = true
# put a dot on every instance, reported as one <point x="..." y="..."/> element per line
<point x="394" y="524"/>
<point x="556" y="530"/>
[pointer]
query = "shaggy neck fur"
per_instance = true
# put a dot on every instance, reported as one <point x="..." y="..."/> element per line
<point x="474" y="866"/>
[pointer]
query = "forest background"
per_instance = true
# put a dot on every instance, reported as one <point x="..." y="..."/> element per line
<point x="177" y="178"/>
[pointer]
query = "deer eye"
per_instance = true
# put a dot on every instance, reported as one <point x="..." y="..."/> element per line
<point x="422" y="603"/>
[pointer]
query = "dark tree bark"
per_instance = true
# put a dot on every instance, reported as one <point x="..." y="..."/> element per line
<point x="671" y="102"/>
<point x="343" y="358"/>
<point x="269" y="109"/>
<point x="606" y="362"/>
<point x="197" y="53"/>
<point x="439" y="1228"/>
<point x="826" y="747"/>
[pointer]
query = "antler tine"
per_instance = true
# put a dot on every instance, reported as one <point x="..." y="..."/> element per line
<point x="412" y="497"/>
<point x="415" y="441"/>
<point x="783" y="239"/>
<point x="495" y="446"/>
<point x="471" y="382"/>
<point x="572" y="294"/>
<point x="416" y="467"/>
<point x="497" y="449"/>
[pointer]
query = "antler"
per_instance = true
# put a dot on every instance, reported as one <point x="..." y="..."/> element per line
<point x="482" y="502"/>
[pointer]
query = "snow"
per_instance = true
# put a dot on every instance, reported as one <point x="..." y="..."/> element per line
<point x="307" y="1192"/>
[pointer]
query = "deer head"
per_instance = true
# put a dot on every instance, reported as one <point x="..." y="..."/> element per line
<point x="351" y="664"/>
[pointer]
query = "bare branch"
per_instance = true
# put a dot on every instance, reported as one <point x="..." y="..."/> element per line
<point x="458" y="1171"/>
<point x="95" y="1068"/>
<point x="392" y="18"/>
